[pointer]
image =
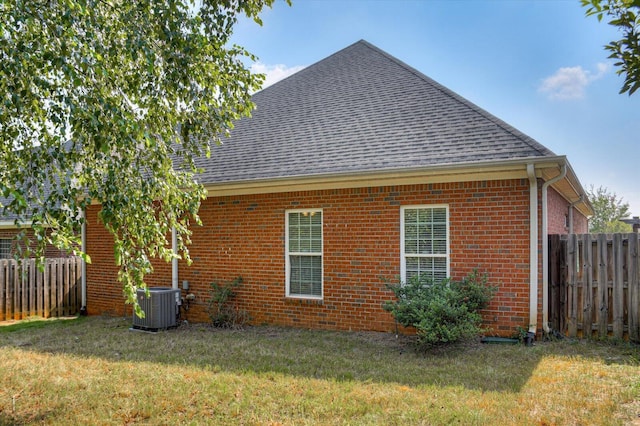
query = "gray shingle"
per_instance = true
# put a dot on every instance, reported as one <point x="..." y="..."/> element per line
<point x="360" y="110"/>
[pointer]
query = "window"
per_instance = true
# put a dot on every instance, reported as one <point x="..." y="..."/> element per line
<point x="5" y="248"/>
<point x="425" y="242"/>
<point x="304" y="253"/>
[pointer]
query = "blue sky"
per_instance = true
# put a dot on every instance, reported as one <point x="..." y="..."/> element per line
<point x="538" y="65"/>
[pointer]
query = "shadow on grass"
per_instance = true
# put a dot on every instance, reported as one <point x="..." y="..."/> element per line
<point x="339" y="356"/>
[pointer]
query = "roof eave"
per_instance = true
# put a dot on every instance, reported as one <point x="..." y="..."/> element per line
<point x="455" y="172"/>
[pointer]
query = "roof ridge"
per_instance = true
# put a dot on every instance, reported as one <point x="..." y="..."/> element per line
<point x="315" y="63"/>
<point x="501" y="123"/>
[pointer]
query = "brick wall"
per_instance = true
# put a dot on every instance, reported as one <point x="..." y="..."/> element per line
<point x="244" y="236"/>
<point x="558" y="213"/>
<point x="50" y="251"/>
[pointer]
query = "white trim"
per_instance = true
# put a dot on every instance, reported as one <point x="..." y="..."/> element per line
<point x="287" y="254"/>
<point x="11" y="224"/>
<point x="403" y="257"/>
<point x="533" y="249"/>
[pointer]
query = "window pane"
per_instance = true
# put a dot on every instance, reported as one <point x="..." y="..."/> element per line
<point x="5" y="248"/>
<point x="305" y="276"/>
<point x="425" y="235"/>
<point x="305" y="232"/>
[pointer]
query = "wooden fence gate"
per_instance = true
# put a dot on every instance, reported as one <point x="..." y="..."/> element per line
<point x="26" y="291"/>
<point x="594" y="284"/>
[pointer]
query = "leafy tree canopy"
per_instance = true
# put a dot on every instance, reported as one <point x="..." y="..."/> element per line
<point x="609" y="209"/>
<point x="110" y="101"/>
<point x="624" y="15"/>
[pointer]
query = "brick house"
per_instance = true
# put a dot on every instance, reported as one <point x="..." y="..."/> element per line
<point x="356" y="169"/>
<point x="10" y="226"/>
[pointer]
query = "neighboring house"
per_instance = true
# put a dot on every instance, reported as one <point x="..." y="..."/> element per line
<point x="11" y="225"/>
<point x="358" y="169"/>
<point x="8" y="244"/>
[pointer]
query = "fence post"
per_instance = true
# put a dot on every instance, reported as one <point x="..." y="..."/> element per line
<point x="633" y="293"/>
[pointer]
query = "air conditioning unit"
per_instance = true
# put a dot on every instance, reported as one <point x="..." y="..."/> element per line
<point x="161" y="309"/>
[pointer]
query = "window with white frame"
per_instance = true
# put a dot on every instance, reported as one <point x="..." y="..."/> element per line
<point x="304" y="253"/>
<point x="425" y="242"/>
<point x="5" y="248"/>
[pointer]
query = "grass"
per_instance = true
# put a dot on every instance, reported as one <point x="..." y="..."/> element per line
<point x="95" y="371"/>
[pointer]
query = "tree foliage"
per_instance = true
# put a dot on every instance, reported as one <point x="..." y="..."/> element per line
<point x="608" y="210"/>
<point x="625" y="16"/>
<point x="110" y="102"/>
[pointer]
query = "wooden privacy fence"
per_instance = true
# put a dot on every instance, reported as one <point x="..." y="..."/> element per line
<point x="595" y="285"/>
<point x="26" y="291"/>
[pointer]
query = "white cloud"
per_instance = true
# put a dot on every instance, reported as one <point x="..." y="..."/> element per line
<point x="274" y="73"/>
<point x="571" y="82"/>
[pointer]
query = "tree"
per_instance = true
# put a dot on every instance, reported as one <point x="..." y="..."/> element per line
<point x="608" y="210"/>
<point x="625" y="15"/>
<point x="111" y="102"/>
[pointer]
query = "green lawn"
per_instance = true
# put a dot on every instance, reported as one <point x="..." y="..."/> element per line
<point x="95" y="371"/>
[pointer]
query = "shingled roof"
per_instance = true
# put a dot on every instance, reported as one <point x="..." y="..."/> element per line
<point x="361" y="110"/>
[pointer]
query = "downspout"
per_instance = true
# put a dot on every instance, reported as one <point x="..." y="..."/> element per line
<point x="545" y="248"/>
<point x="533" y="253"/>
<point x="83" y="281"/>
<point x="174" y="261"/>
<point x="579" y="200"/>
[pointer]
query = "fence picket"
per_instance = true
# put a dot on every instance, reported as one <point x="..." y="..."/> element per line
<point x="618" y="287"/>
<point x="32" y="288"/>
<point x="3" y="308"/>
<point x="46" y="288"/>
<point x="602" y="315"/>
<point x="9" y="293"/>
<point x="60" y="289"/>
<point x="633" y="292"/>
<point x="587" y="291"/>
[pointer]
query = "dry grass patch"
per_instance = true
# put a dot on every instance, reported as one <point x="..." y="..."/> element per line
<point x="96" y="371"/>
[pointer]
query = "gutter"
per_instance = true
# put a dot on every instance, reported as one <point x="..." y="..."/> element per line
<point x="12" y="224"/>
<point x="545" y="248"/>
<point x="533" y="252"/>
<point x="460" y="172"/>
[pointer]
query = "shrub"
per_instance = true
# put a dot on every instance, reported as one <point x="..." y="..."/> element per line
<point x="441" y="312"/>
<point x="221" y="312"/>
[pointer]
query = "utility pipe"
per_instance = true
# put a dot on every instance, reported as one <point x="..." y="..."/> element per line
<point x="83" y="247"/>
<point x="533" y="251"/>
<point x="579" y="200"/>
<point x="174" y="261"/>
<point x="545" y="248"/>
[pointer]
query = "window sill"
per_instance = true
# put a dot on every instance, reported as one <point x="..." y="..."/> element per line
<point x="302" y="301"/>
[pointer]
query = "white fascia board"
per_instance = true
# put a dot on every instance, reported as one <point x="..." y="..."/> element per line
<point x="464" y="172"/>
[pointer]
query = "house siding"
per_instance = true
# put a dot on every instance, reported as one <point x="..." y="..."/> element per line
<point x="244" y="236"/>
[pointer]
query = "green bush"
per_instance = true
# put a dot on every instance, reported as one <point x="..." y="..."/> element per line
<point x="441" y="312"/>
<point x="221" y="312"/>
